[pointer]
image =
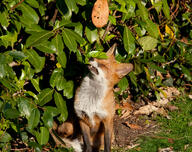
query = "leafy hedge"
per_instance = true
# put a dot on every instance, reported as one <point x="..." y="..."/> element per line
<point x="44" y="45"/>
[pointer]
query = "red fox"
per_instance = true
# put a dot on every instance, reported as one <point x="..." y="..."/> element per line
<point x="94" y="101"/>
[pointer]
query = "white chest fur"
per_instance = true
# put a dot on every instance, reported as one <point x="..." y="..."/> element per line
<point x="90" y="97"/>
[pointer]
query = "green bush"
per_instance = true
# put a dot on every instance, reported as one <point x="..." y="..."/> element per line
<point x="44" y="45"/>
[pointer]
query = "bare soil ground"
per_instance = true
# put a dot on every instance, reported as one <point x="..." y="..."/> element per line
<point x="128" y="130"/>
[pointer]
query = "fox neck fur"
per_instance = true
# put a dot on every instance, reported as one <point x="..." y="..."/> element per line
<point x="90" y="96"/>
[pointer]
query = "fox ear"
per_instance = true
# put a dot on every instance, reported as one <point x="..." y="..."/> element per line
<point x="123" y="69"/>
<point x="111" y="50"/>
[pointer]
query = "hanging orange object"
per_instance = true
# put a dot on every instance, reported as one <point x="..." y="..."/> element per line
<point x="100" y="13"/>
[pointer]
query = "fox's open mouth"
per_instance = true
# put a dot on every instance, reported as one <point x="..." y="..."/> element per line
<point x="93" y="69"/>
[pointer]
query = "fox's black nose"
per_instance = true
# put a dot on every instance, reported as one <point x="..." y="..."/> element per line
<point x="91" y="59"/>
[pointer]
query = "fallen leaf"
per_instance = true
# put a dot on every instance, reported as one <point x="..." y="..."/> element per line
<point x="125" y="113"/>
<point x="161" y="102"/>
<point x="132" y="146"/>
<point x="170" y="92"/>
<point x="133" y="126"/>
<point x="170" y="140"/>
<point x="186" y="146"/>
<point x="172" y="107"/>
<point x="190" y="124"/>
<point x="148" y="109"/>
<point x="127" y="106"/>
<point x="168" y="149"/>
<point x="159" y="74"/>
<point x="162" y="112"/>
<point x="190" y="96"/>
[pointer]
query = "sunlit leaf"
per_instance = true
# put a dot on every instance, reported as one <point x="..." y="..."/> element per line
<point x="69" y="41"/>
<point x="43" y="136"/>
<point x="91" y="34"/>
<point x="147" y="42"/>
<point x="61" y="106"/>
<point x="37" y="61"/>
<point x="34" y="118"/>
<point x="38" y="37"/>
<point x="45" y="96"/>
<point x="128" y="41"/>
<point x="68" y="89"/>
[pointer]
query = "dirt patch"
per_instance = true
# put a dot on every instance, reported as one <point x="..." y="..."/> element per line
<point x="128" y="130"/>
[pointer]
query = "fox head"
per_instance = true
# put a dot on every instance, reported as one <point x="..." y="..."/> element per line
<point x="109" y="68"/>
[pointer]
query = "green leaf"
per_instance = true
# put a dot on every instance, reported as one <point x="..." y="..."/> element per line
<point x="24" y="137"/>
<point x="25" y="107"/>
<point x="142" y="11"/>
<point x="169" y="82"/>
<point x="43" y="136"/>
<point x="79" y="30"/>
<point x="91" y="35"/>
<point x="34" y="28"/>
<point x="38" y="37"/>
<point x="63" y="9"/>
<point x="60" y="83"/>
<point x="123" y="84"/>
<point x="72" y="6"/>
<point x="69" y="41"/>
<point x="61" y="57"/>
<point x="37" y="61"/>
<point x="18" y="55"/>
<point x="4" y="19"/>
<point x="9" y="39"/>
<point x="152" y="28"/>
<point x="11" y="113"/>
<point x="61" y="106"/>
<point x="68" y="89"/>
<point x="57" y="73"/>
<point x="112" y="19"/>
<point x="75" y="35"/>
<point x="158" y="5"/>
<point x="133" y="78"/>
<point x="30" y="93"/>
<point x="51" y="110"/>
<point x="130" y="12"/>
<point x="186" y="72"/>
<point x="47" y="120"/>
<point x="9" y="84"/>
<point x="34" y="118"/>
<point x="35" y="83"/>
<point x="166" y="10"/>
<point x="28" y="70"/>
<point x="97" y="54"/>
<point x="160" y="69"/>
<point x="45" y="96"/>
<point x="2" y="70"/>
<point x="46" y="47"/>
<point x="81" y="2"/>
<point x="5" y="137"/>
<point x="33" y="3"/>
<point x="148" y="42"/>
<point x="3" y="59"/>
<point x="128" y="41"/>
<point x="29" y="16"/>
<point x="48" y="115"/>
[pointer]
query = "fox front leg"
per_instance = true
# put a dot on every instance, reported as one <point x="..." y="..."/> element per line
<point x="108" y="124"/>
<point x="86" y="136"/>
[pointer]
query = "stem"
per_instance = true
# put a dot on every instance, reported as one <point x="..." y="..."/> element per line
<point x="12" y="8"/>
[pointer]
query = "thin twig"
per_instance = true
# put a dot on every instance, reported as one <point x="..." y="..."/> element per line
<point x="20" y="149"/>
<point x="54" y="16"/>
<point x="16" y="5"/>
<point x="108" y="26"/>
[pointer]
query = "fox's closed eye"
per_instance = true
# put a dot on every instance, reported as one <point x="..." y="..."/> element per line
<point x="101" y="65"/>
